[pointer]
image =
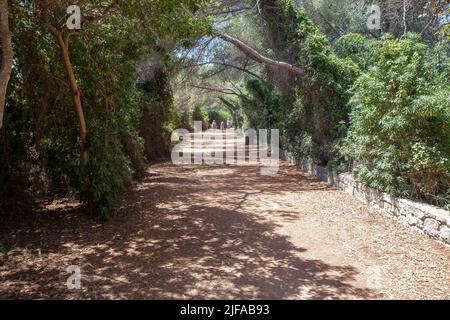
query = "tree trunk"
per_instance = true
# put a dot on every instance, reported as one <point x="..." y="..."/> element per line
<point x="256" y="56"/>
<point x="7" y="56"/>
<point x="76" y="95"/>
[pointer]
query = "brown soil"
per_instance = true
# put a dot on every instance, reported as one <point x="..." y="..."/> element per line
<point x="197" y="232"/>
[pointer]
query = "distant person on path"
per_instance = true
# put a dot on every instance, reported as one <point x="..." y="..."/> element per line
<point x="222" y="125"/>
<point x="214" y="125"/>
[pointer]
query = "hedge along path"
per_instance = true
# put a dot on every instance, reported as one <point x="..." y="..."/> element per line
<point x="225" y="232"/>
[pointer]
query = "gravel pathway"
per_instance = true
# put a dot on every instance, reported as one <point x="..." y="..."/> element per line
<point x="223" y="232"/>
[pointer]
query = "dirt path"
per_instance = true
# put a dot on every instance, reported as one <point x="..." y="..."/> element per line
<point x="226" y="232"/>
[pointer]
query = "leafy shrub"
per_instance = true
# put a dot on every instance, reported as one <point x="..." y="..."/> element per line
<point x="357" y="48"/>
<point x="107" y="171"/>
<point x="201" y="114"/>
<point x="321" y="102"/>
<point x="264" y="106"/>
<point x="400" y="123"/>
<point x="219" y="115"/>
<point x="159" y="116"/>
<point x="313" y="116"/>
<point x="186" y="120"/>
<point x="39" y="143"/>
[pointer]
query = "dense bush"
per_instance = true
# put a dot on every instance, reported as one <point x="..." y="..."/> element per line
<point x="356" y="48"/>
<point x="40" y="141"/>
<point x="264" y="106"/>
<point x="400" y="123"/>
<point x="159" y="116"/>
<point x="320" y="106"/>
<point x="201" y="114"/>
<point x="219" y="115"/>
<point x="312" y="117"/>
<point x="186" y="120"/>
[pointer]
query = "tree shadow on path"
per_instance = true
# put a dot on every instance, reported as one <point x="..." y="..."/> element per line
<point x="165" y="244"/>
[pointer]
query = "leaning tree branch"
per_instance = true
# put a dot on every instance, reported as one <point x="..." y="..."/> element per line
<point x="218" y="90"/>
<point x="256" y="56"/>
<point x="243" y="69"/>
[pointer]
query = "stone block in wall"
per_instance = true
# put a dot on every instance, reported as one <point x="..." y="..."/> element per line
<point x="391" y="204"/>
<point x="412" y="221"/>
<point x="408" y="207"/>
<point x="444" y="234"/>
<point x="431" y="227"/>
<point x="440" y="215"/>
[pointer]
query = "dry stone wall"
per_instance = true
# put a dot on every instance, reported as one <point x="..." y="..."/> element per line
<point x="431" y="220"/>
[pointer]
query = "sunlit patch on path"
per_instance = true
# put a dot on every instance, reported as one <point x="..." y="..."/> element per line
<point x="191" y="232"/>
